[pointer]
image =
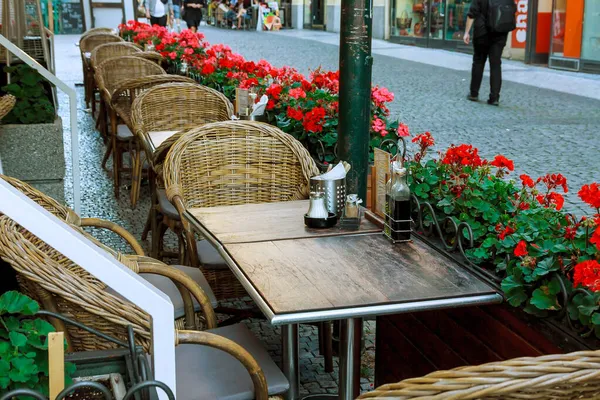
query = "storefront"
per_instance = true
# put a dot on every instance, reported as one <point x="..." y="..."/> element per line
<point x="429" y="23"/>
<point x="575" y="42"/>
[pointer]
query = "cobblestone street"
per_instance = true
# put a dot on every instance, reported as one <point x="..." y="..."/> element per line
<point x="540" y="129"/>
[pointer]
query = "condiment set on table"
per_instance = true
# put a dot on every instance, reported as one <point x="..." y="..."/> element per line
<point x="329" y="203"/>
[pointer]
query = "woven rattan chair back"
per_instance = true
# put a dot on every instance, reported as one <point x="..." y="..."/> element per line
<point x="189" y="105"/>
<point x="558" y="376"/>
<point x="75" y="293"/>
<point x="233" y="162"/>
<point x="7" y="102"/>
<point x="54" y="207"/>
<point x="114" y="71"/>
<point x="90" y="42"/>
<point x="109" y="50"/>
<point x="95" y="31"/>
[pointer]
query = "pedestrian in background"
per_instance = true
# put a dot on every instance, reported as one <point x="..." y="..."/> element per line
<point x="158" y="10"/>
<point x="491" y="20"/>
<point x="193" y="13"/>
<point x="176" y="20"/>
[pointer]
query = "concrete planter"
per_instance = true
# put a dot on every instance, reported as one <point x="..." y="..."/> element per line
<point x="35" y="154"/>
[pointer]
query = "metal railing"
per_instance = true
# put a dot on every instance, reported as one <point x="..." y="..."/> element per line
<point x="10" y="46"/>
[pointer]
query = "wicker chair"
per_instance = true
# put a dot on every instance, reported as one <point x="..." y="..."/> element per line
<point x="109" y="50"/>
<point x="94" y="31"/>
<point x="122" y="102"/>
<point x="561" y="376"/>
<point x="7" y="102"/>
<point x="190" y="105"/>
<point x="109" y="75"/>
<point x="86" y="45"/>
<point x="61" y="286"/>
<point x="229" y="163"/>
<point x="183" y="304"/>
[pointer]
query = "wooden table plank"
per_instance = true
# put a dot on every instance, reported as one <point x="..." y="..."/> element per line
<point x="264" y="222"/>
<point x="320" y="273"/>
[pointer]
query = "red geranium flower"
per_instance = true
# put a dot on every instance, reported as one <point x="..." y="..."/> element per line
<point x="274" y="91"/>
<point x="424" y="140"/>
<point x="297" y="93"/>
<point x="465" y="155"/>
<point x="295" y="113"/>
<point x="587" y="274"/>
<point x="521" y="249"/>
<point x="403" y="130"/>
<point x="570" y="232"/>
<point x="591" y="195"/>
<point x="502" y="162"/>
<point x="552" y="181"/>
<point x="595" y="239"/>
<point x="506" y="232"/>
<point x="527" y="181"/>
<point x="313" y="120"/>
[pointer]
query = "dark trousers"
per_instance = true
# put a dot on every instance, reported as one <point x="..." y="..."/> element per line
<point x="490" y="47"/>
<point x="162" y="21"/>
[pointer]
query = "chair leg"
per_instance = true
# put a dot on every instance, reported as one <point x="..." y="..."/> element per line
<point x="325" y="334"/>
<point x="107" y="154"/>
<point x="93" y="97"/>
<point x="148" y="225"/>
<point x="115" y="152"/>
<point x="136" y="175"/>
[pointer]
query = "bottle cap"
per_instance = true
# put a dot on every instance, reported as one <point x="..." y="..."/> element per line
<point x="397" y="168"/>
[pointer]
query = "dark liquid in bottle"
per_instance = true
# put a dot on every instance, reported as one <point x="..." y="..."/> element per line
<point x="399" y="211"/>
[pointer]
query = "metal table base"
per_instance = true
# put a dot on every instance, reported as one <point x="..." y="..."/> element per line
<point x="351" y="334"/>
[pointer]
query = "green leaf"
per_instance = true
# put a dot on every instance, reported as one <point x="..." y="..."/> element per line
<point x="514" y="291"/>
<point x="542" y="299"/>
<point x="17" y="339"/>
<point x="588" y="305"/>
<point x="14" y="302"/>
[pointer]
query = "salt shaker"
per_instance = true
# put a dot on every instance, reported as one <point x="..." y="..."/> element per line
<point x="317" y="208"/>
<point x="351" y="209"/>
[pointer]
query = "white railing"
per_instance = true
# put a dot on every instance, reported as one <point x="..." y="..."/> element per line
<point x="72" y="111"/>
<point x="106" y="268"/>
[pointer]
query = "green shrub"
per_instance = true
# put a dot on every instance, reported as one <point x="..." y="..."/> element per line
<point x="24" y="345"/>
<point x="33" y="104"/>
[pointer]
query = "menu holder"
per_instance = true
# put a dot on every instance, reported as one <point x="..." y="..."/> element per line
<point x="242" y="102"/>
<point x="382" y="163"/>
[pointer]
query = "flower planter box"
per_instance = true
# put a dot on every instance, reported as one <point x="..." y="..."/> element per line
<point x="35" y="154"/>
<point x="412" y="345"/>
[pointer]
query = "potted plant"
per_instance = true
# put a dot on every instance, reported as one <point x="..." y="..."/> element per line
<point x="31" y="136"/>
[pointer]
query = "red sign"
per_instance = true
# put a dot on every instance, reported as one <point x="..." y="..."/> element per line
<point x="519" y="35"/>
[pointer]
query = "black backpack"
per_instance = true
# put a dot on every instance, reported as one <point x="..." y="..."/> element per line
<point x="501" y="16"/>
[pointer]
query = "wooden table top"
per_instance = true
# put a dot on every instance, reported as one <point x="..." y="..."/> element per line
<point x="350" y="271"/>
<point x="297" y="274"/>
<point x="264" y="222"/>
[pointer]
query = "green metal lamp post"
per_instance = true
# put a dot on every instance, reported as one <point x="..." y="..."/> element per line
<point x="355" y="92"/>
<point x="353" y="146"/>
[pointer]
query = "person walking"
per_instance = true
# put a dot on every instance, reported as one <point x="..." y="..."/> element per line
<point x="193" y="13"/>
<point x="157" y="11"/>
<point x="176" y="20"/>
<point x="491" y="20"/>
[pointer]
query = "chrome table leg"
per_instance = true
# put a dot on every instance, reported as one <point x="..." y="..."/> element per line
<point x="289" y="335"/>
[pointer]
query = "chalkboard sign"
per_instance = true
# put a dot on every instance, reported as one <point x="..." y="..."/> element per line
<point x="71" y="19"/>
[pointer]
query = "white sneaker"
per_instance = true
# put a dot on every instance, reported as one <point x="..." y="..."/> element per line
<point x="233" y="27"/>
